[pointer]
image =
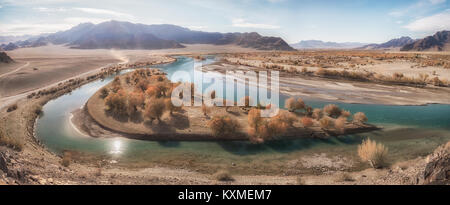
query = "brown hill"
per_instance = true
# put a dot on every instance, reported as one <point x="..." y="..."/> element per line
<point x="438" y="42"/>
<point x="4" y="58"/>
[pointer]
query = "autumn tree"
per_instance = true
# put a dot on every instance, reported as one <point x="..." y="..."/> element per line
<point x="117" y="102"/>
<point x="222" y="126"/>
<point x="332" y="110"/>
<point x="135" y="100"/>
<point x="306" y="121"/>
<point x="359" y="117"/>
<point x="154" y="109"/>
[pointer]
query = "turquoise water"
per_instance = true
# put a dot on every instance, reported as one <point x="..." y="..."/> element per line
<point x="410" y="131"/>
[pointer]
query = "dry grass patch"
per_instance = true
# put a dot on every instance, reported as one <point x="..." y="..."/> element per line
<point x="373" y="152"/>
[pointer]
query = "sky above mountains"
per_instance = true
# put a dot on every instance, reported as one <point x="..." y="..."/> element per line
<point x="294" y="20"/>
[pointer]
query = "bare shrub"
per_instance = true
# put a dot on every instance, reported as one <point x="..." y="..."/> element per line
<point x="66" y="159"/>
<point x="359" y="117"/>
<point x="291" y="104"/>
<point x="223" y="175"/>
<point x="324" y="123"/>
<point x="339" y="123"/>
<point x="373" y="152"/>
<point x="345" y="113"/>
<point x="306" y="121"/>
<point x="222" y="126"/>
<point x="154" y="109"/>
<point x="344" y="177"/>
<point x="104" y="92"/>
<point x="12" y="108"/>
<point x="317" y="113"/>
<point x="9" y="141"/>
<point x="254" y="118"/>
<point x="332" y="110"/>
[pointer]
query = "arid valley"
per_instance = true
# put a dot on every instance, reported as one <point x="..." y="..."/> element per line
<point x="116" y="102"/>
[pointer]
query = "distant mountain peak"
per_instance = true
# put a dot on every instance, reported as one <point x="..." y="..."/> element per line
<point x="126" y="35"/>
<point x="438" y="42"/>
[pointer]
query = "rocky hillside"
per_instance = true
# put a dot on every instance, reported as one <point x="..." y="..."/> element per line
<point x="392" y="44"/>
<point x="4" y="58"/>
<point x="438" y="42"/>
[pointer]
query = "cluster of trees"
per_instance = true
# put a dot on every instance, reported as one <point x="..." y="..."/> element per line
<point x="261" y="129"/>
<point x="146" y="91"/>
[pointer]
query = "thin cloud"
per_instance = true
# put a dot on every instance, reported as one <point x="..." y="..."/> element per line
<point x="419" y="6"/>
<point x="104" y="12"/>
<point x="243" y="24"/>
<point x="437" y="22"/>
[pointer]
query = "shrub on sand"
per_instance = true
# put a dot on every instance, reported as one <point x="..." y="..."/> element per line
<point x="359" y="117"/>
<point x="324" y="122"/>
<point x="306" y="121"/>
<point x="339" y="123"/>
<point x="317" y="113"/>
<point x="223" y="126"/>
<point x="66" y="159"/>
<point x="223" y="175"/>
<point x="332" y="110"/>
<point x="373" y="152"/>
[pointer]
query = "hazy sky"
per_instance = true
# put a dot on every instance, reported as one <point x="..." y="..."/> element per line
<point x="340" y="20"/>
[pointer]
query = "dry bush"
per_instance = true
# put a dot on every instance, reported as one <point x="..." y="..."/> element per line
<point x="12" y="142"/>
<point x="104" y="92"/>
<point x="135" y="100"/>
<point x="37" y="109"/>
<point x="324" y="122"/>
<point x="254" y="118"/>
<point x="373" y="152"/>
<point x="291" y="104"/>
<point x="359" y="117"/>
<point x="222" y="126"/>
<point x="223" y="175"/>
<point x="117" y="102"/>
<point x="339" y="123"/>
<point x="66" y="159"/>
<point x="300" y="181"/>
<point x="12" y="108"/>
<point x="307" y="122"/>
<point x="154" y="109"/>
<point x="344" y="177"/>
<point x="317" y="113"/>
<point x="345" y="113"/>
<point x="332" y="110"/>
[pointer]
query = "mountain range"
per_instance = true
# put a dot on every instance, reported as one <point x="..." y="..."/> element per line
<point x="438" y="42"/>
<point x="317" y="44"/>
<point x="126" y="35"/>
<point x="392" y="44"/>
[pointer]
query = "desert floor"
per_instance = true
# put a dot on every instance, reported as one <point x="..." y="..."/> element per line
<point x="42" y="67"/>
